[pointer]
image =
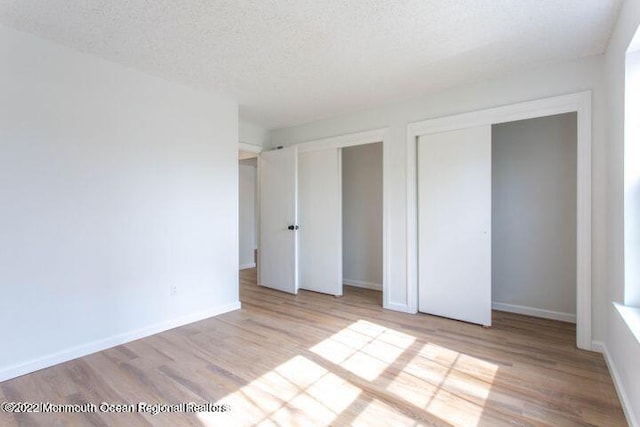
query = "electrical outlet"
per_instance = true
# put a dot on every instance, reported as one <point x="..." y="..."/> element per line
<point x="173" y="290"/>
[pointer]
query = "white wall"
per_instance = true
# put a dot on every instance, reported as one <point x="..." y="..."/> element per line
<point x="114" y="186"/>
<point x="362" y="215"/>
<point x="247" y="206"/>
<point x="534" y="215"/>
<point x="632" y="179"/>
<point x="624" y="353"/>
<point x="251" y="133"/>
<point x="533" y="83"/>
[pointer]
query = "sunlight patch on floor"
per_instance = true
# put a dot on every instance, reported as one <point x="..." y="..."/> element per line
<point x="428" y="379"/>
<point x="380" y="414"/>
<point x="298" y="392"/>
<point x="450" y="385"/>
<point x="364" y="348"/>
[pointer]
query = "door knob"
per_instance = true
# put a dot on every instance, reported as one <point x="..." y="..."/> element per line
<point x="293" y="227"/>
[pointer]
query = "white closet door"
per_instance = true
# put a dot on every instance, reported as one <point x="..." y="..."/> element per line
<point x="278" y="246"/>
<point x="454" y="224"/>
<point x="320" y="217"/>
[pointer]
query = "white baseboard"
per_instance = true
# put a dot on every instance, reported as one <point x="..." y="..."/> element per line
<point x="600" y="347"/>
<point x="362" y="284"/>
<point x="536" y="312"/>
<point x="66" y="355"/>
<point x="404" y="308"/>
<point x="245" y="266"/>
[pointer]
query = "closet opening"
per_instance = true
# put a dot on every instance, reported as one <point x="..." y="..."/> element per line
<point x="342" y="213"/>
<point x="449" y="160"/>
<point x="533" y="217"/>
<point x="502" y="217"/>
<point x="362" y="219"/>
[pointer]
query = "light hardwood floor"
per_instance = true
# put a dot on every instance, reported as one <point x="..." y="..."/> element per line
<point x="314" y="359"/>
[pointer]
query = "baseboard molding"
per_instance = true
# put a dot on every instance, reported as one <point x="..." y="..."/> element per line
<point x="536" y="312"/>
<point x="362" y="284"/>
<point x="404" y="308"/>
<point x="113" y="341"/>
<point x="600" y="347"/>
<point x="245" y="266"/>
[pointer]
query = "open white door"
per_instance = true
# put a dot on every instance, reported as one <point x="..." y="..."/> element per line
<point x="454" y="224"/>
<point x="321" y="221"/>
<point x="278" y="246"/>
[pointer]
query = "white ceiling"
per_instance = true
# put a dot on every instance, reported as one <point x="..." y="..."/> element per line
<point x="288" y="62"/>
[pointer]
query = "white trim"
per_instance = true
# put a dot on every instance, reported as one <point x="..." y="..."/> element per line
<point x="386" y="215"/>
<point x="601" y="347"/>
<point x="535" y="312"/>
<point x="247" y="266"/>
<point x="631" y="317"/>
<point x="258" y="209"/>
<point x="62" y="356"/>
<point x="396" y="306"/>
<point x="362" y="138"/>
<point x="339" y="231"/>
<point x="347" y="140"/>
<point x="250" y="147"/>
<point x="577" y="102"/>
<point x="363" y="284"/>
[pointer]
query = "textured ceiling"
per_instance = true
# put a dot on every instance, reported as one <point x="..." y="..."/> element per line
<point x="292" y="61"/>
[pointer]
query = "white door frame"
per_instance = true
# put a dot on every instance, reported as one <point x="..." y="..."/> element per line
<point x="580" y="103"/>
<point x="256" y="149"/>
<point x="244" y="146"/>
<point x="362" y="138"/>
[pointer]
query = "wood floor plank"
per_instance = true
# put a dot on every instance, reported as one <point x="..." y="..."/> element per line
<point x="312" y="359"/>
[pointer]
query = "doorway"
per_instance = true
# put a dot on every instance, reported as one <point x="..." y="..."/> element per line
<point x="362" y="216"/>
<point x="307" y="176"/>
<point x="340" y="218"/>
<point x="578" y="103"/>
<point x="534" y="217"/>
<point x="247" y="209"/>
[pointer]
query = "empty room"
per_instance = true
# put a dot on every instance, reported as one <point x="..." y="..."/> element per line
<point x="369" y="213"/>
